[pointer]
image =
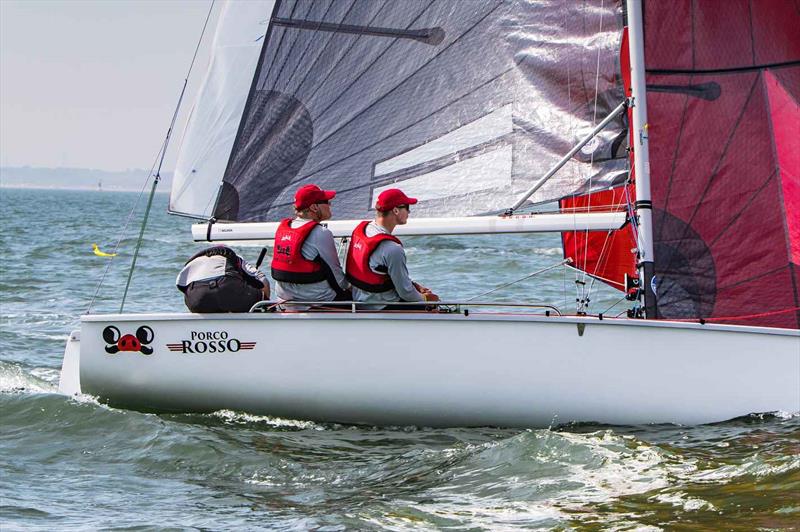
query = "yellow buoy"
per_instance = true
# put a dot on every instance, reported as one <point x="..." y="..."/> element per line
<point x="101" y="253"/>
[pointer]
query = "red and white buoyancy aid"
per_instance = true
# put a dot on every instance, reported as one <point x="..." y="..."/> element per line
<point x="361" y="249"/>
<point x="288" y="263"/>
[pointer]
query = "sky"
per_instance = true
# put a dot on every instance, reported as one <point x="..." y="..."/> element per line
<point x="93" y="84"/>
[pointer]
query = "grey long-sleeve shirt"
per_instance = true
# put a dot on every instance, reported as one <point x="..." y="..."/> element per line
<point x="392" y="257"/>
<point x="319" y="243"/>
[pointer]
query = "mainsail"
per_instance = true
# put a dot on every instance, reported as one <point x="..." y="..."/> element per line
<point x="462" y="103"/>
<point x="723" y="85"/>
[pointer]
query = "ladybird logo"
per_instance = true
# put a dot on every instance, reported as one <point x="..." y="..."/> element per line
<point x="117" y="342"/>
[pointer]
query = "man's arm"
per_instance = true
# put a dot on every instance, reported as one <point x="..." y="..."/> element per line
<point x="252" y="271"/>
<point x="321" y="239"/>
<point x="395" y="260"/>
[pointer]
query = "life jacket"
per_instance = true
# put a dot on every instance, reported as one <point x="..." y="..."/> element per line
<point x="288" y="263"/>
<point x="361" y="249"/>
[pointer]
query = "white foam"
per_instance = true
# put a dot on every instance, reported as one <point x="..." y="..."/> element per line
<point x="682" y="500"/>
<point x="14" y="378"/>
<point x="241" y="418"/>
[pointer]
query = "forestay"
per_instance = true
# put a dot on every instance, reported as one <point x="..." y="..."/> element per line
<point x="462" y="103"/>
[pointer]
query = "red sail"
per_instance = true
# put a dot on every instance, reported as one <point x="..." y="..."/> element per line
<point x="606" y="255"/>
<point x="723" y="82"/>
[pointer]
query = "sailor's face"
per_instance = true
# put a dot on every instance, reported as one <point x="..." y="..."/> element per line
<point x="401" y="212"/>
<point x="323" y="210"/>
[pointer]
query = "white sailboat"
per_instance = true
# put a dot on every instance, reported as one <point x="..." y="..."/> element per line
<point x="477" y="102"/>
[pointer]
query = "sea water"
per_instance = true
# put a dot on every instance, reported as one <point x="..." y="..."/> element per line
<point x="70" y="463"/>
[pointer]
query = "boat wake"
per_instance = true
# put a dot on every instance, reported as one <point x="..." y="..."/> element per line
<point x="15" y="378"/>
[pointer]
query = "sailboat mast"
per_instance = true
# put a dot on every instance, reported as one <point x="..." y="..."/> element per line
<point x="641" y="155"/>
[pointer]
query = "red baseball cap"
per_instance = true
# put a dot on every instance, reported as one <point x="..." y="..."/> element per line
<point x="308" y="195"/>
<point x="391" y="198"/>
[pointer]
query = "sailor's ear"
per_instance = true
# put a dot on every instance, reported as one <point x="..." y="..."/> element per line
<point x="111" y="334"/>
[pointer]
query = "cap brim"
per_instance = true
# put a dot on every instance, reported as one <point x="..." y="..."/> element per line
<point x="329" y="194"/>
<point x="411" y="201"/>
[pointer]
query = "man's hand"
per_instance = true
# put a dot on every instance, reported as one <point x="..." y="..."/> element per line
<point x="429" y="296"/>
<point x="421" y="289"/>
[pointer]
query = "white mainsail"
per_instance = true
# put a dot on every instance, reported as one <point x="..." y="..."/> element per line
<point x="217" y="112"/>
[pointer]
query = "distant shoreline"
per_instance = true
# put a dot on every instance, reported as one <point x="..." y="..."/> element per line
<point x="77" y="188"/>
<point x="80" y="179"/>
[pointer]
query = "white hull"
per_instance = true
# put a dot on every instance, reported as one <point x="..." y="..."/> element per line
<point x="443" y="369"/>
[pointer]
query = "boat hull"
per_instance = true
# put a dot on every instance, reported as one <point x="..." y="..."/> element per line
<point x="442" y="370"/>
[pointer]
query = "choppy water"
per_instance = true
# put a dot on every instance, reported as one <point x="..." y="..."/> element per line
<point x="67" y="463"/>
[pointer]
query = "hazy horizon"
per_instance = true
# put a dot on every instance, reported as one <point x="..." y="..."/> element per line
<point x="91" y="84"/>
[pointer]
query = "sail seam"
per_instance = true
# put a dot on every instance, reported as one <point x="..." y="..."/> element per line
<point x="311" y="96"/>
<point x="713" y="174"/>
<point x="659" y="226"/>
<point x="692" y="297"/>
<point x="752" y="198"/>
<point x="362" y="111"/>
<point x="248" y="104"/>
<point x="275" y="11"/>
<point x="341" y="58"/>
<point x="291" y="47"/>
<point x="363" y="72"/>
<point x="781" y="199"/>
<point x="394" y="133"/>
<point x="308" y="47"/>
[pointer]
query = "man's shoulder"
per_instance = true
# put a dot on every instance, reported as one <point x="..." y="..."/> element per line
<point x="321" y="231"/>
<point x="391" y="248"/>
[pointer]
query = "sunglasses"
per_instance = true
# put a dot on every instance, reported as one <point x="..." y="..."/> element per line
<point x="406" y="207"/>
<point x="323" y="202"/>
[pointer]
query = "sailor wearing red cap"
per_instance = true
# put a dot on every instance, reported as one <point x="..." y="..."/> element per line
<point x="376" y="261"/>
<point x="305" y="264"/>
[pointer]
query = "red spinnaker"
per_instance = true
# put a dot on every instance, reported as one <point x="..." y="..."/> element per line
<point x="723" y="99"/>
